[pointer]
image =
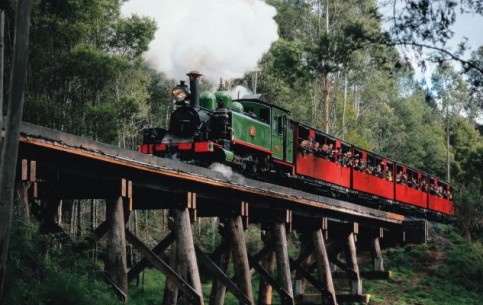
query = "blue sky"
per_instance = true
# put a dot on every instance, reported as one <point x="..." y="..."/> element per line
<point x="470" y="26"/>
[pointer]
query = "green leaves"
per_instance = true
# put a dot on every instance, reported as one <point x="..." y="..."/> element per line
<point x="132" y="36"/>
<point x="86" y="73"/>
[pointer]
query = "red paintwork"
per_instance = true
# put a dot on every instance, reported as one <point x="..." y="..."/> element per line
<point x="441" y="204"/>
<point x="312" y="133"/>
<point x="290" y="165"/>
<point x="198" y="147"/>
<point x="160" y="147"/>
<point x="283" y="163"/>
<point x="323" y="169"/>
<point x="184" y="146"/>
<point x="373" y="185"/>
<point x="147" y="148"/>
<point x="144" y="148"/>
<point x="253" y="146"/>
<point x="412" y="196"/>
<point x="203" y="147"/>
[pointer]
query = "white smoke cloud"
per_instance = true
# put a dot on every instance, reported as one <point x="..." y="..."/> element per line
<point x="218" y="38"/>
<point x="225" y="170"/>
<point x="239" y="92"/>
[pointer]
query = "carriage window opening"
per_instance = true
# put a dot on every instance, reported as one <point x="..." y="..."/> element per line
<point x="265" y="114"/>
<point x="249" y="110"/>
<point x="279" y="124"/>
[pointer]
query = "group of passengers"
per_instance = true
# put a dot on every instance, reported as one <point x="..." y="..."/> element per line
<point x="440" y="191"/>
<point x="327" y="151"/>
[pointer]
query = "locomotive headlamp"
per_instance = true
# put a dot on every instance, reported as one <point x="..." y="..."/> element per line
<point x="180" y="93"/>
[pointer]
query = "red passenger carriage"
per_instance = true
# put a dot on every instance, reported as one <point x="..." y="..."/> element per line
<point x="371" y="176"/>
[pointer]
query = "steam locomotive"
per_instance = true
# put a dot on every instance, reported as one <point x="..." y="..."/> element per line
<point x="261" y="141"/>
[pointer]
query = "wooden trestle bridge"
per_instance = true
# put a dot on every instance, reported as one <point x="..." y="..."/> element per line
<point x="54" y="165"/>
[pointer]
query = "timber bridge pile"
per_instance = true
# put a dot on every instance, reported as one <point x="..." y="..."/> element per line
<point x="54" y="166"/>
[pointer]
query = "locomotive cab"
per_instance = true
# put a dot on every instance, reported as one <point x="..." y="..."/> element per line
<point x="281" y="129"/>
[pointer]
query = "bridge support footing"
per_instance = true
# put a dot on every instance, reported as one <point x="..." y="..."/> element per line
<point x="377" y="259"/>
<point x="283" y="265"/>
<point x="268" y="263"/>
<point x="218" y="289"/>
<point x="115" y="264"/>
<point x="186" y="249"/>
<point x="240" y="256"/>
<point x="351" y="259"/>
<point x="170" y="295"/>
<point x="323" y="267"/>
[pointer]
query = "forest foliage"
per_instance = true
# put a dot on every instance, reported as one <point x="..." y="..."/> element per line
<point x="333" y="64"/>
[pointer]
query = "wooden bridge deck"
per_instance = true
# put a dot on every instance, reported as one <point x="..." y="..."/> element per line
<point x="87" y="166"/>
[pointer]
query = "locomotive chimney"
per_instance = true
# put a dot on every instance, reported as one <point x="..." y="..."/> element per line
<point x="195" y="88"/>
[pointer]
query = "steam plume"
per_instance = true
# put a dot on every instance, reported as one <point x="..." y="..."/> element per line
<point x="218" y="38"/>
<point x="226" y="171"/>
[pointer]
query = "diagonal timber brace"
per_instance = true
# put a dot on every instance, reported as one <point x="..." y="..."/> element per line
<point x="191" y="294"/>
<point x="305" y="274"/>
<point x="143" y="263"/>
<point x="221" y="276"/>
<point x="284" y="294"/>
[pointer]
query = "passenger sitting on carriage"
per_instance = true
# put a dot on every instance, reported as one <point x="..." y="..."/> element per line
<point x="357" y="165"/>
<point x="317" y="149"/>
<point x="369" y="169"/>
<point x="334" y="155"/>
<point x="449" y="195"/>
<point x="399" y="177"/>
<point x="305" y="146"/>
<point x="325" y="151"/>
<point x="440" y="191"/>
<point x="389" y="176"/>
<point x="424" y="186"/>
<point x="330" y="151"/>
<point x="378" y="171"/>
<point x="414" y="183"/>
<point x="347" y="159"/>
<point x="433" y="189"/>
<point x="405" y="179"/>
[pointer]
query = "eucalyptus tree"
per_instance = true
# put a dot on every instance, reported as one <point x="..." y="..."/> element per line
<point x="85" y="72"/>
<point x="475" y="81"/>
<point x="318" y="45"/>
<point x="425" y="27"/>
<point x="452" y="92"/>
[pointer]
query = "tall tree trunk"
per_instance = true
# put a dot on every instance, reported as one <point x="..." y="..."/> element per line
<point x="335" y="103"/>
<point x="59" y="214"/>
<point x="2" y="23"/>
<point x="12" y="129"/>
<point x="73" y="218"/>
<point x="345" y="106"/>
<point x="448" y="161"/>
<point x="326" y="82"/>
<point x="326" y="78"/>
<point x="79" y="219"/>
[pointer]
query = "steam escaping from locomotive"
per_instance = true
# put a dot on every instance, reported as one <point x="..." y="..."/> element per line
<point x="225" y="170"/>
<point x="221" y="38"/>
